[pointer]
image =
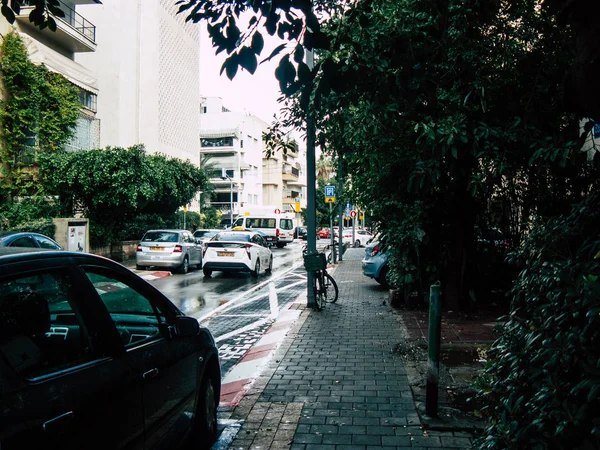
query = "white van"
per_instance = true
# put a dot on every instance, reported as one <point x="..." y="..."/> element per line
<point x="279" y="228"/>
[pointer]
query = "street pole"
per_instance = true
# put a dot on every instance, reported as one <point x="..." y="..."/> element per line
<point x="341" y="206"/>
<point x="231" y="199"/>
<point x="332" y="233"/>
<point x="433" y="351"/>
<point x="311" y="207"/>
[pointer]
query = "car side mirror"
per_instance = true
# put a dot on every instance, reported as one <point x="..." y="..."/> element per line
<point x="186" y="326"/>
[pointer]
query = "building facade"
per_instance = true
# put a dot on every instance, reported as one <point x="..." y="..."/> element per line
<point x="147" y="65"/>
<point x="231" y="150"/>
<point x="76" y="34"/>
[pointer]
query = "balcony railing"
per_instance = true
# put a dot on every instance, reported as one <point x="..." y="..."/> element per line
<point x="76" y="20"/>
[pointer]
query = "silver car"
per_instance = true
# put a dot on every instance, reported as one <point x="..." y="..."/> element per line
<point x="175" y="249"/>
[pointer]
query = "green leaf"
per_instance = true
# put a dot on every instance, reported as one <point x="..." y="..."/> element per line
<point x="257" y="43"/>
<point x="274" y="53"/>
<point x="247" y="59"/>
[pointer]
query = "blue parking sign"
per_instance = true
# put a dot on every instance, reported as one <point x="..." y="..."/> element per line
<point x="329" y="191"/>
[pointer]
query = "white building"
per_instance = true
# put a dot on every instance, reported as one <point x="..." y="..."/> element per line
<point x="232" y="141"/>
<point x="147" y="65"/>
<point x="284" y="179"/>
<point x="76" y="34"/>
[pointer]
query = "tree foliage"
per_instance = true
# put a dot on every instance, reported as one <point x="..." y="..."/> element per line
<point x="112" y="186"/>
<point x="38" y="115"/>
<point x="543" y="386"/>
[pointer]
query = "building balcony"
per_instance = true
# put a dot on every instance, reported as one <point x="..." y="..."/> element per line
<point x="73" y="31"/>
<point x="289" y="173"/>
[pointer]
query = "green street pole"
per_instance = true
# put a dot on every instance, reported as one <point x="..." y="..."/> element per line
<point x="433" y="351"/>
<point x="340" y="207"/>
<point x="332" y="237"/>
<point x="311" y="207"/>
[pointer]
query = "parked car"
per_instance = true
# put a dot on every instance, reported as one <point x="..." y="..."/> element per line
<point x="375" y="264"/>
<point x="361" y="237"/>
<point x="324" y="233"/>
<point x="28" y="239"/>
<point x="206" y="235"/>
<point x="92" y="356"/>
<point x="279" y="228"/>
<point x="173" y="249"/>
<point x="237" y="251"/>
<point x="301" y="233"/>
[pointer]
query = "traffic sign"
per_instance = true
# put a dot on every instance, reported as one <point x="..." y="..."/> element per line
<point x="277" y="210"/>
<point x="353" y="214"/>
<point x="329" y="191"/>
<point x="329" y="199"/>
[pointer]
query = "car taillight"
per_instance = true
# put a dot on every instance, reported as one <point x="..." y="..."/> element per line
<point x="204" y="250"/>
<point x="247" y="248"/>
<point x="375" y="250"/>
<point x="178" y="249"/>
<point x="277" y="232"/>
<point x="139" y="248"/>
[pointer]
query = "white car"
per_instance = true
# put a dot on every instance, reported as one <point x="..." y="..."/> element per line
<point x="237" y="251"/>
<point x="361" y="237"/>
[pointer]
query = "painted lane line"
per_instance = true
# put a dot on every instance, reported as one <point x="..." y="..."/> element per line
<point x="273" y="303"/>
<point x="244" y="294"/>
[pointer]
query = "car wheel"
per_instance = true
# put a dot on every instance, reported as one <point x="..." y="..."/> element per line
<point x="138" y="267"/>
<point x="207" y="272"/>
<point x="256" y="270"/>
<point x="356" y="243"/>
<point x="270" y="268"/>
<point x="280" y="245"/>
<point x="185" y="266"/>
<point x="383" y="277"/>
<point x="205" y="419"/>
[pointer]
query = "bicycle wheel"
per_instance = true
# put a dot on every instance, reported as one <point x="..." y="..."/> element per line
<point x="330" y="289"/>
<point x="318" y="290"/>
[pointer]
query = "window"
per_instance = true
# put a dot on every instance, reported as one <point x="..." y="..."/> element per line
<point x="25" y="241"/>
<point x="40" y="331"/>
<point x="217" y="142"/>
<point x="88" y="100"/>
<point x="135" y="317"/>
<point x="46" y="243"/>
<point x="286" y="224"/>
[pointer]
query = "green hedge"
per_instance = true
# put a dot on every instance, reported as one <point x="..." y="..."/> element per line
<point x="543" y="383"/>
<point x="42" y="226"/>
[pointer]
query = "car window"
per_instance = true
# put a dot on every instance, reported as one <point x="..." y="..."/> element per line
<point x="287" y="224"/>
<point x="136" y="319"/>
<point x="24" y="241"/>
<point x="46" y="243"/>
<point x="160" y="236"/>
<point x="40" y="332"/>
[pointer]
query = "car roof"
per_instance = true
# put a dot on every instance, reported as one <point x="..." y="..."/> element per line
<point x="14" y="254"/>
<point x="5" y="234"/>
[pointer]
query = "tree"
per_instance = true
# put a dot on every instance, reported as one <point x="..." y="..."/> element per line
<point x="114" y="185"/>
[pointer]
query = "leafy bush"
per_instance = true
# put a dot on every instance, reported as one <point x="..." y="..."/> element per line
<point x="21" y="212"/>
<point x="42" y="226"/>
<point x="543" y="386"/>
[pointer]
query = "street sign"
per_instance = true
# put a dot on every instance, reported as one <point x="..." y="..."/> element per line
<point x="352" y="214"/>
<point x="277" y="211"/>
<point x="297" y="207"/>
<point x="329" y="194"/>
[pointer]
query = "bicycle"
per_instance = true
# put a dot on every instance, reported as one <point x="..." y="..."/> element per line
<point x="324" y="286"/>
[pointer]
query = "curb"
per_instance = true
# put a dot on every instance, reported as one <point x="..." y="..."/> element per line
<point x="153" y="275"/>
<point x="238" y="381"/>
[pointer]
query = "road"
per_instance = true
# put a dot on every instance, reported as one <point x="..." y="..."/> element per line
<point x="238" y="308"/>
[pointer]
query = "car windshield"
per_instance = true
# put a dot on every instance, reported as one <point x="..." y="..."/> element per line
<point x="160" y="236"/>
<point x="204" y="234"/>
<point x="233" y="237"/>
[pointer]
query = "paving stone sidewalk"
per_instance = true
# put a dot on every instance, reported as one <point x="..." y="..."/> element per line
<point x="336" y="382"/>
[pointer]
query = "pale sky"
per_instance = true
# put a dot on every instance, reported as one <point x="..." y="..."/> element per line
<point x="255" y="94"/>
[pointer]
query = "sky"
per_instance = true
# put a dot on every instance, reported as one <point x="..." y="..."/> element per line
<point x="255" y="94"/>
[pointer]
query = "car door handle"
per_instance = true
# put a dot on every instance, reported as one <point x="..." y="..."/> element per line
<point x="150" y="374"/>
<point x="59" y="423"/>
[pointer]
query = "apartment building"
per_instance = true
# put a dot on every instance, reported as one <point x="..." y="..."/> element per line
<point x="284" y="179"/>
<point x="231" y="149"/>
<point x="76" y="34"/>
<point x="147" y="64"/>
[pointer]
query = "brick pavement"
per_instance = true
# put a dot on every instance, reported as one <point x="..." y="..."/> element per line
<point x="335" y="382"/>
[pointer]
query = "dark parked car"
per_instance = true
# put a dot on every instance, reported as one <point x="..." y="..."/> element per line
<point x="94" y="357"/>
<point x="28" y="239"/>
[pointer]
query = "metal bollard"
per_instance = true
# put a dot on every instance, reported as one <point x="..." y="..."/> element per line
<point x="433" y="351"/>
